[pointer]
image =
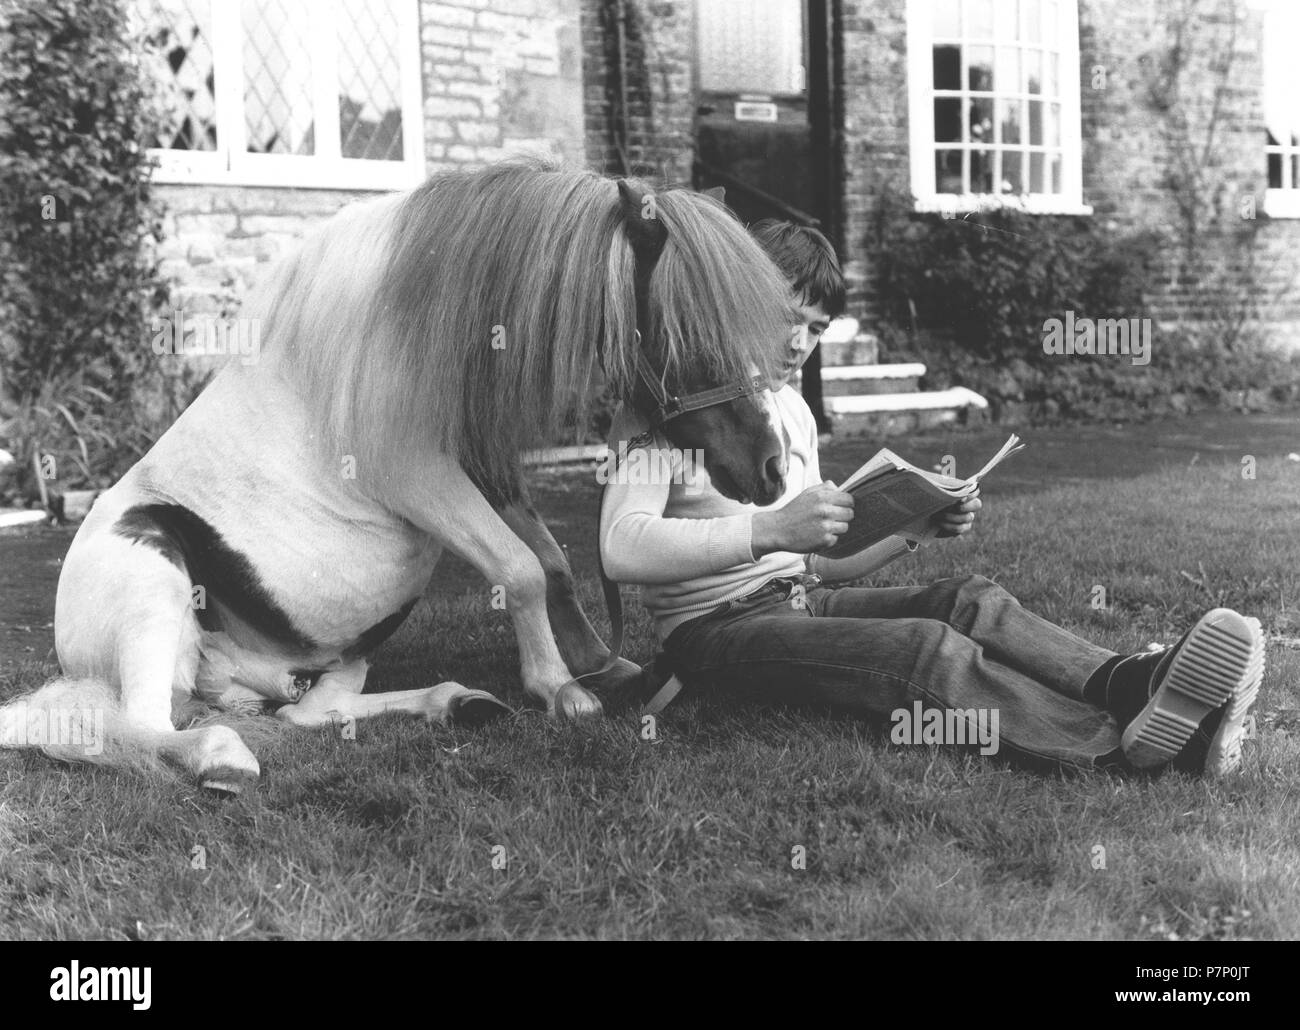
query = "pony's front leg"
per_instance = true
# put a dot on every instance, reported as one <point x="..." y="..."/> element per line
<point x="443" y="502"/>
<point x="337" y="696"/>
<point x="580" y="645"/>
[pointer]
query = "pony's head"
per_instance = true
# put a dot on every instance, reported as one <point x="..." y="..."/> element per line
<point x="472" y="316"/>
<point x="709" y="315"/>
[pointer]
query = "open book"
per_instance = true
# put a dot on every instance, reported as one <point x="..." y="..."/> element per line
<point x="890" y="494"/>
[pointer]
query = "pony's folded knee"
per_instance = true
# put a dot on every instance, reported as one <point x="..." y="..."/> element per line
<point x="524" y="580"/>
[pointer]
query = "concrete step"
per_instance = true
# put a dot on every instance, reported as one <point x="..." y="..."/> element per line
<point x="892" y="413"/>
<point x="857" y="380"/>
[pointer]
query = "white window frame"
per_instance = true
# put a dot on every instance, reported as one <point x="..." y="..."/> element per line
<point x="232" y="164"/>
<point x="920" y="90"/>
<point x="1283" y="202"/>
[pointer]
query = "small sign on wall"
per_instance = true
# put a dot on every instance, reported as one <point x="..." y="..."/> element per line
<point x="755" y="111"/>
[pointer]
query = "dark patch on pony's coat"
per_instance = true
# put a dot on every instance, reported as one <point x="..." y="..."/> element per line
<point x="195" y="547"/>
<point x="378" y="633"/>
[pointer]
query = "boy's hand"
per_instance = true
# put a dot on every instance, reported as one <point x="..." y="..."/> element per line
<point x="813" y="520"/>
<point x="958" y="519"/>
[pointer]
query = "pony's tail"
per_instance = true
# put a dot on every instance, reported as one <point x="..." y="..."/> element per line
<point x="79" y="720"/>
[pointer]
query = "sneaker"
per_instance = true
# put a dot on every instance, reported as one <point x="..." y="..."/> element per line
<point x="1214" y="671"/>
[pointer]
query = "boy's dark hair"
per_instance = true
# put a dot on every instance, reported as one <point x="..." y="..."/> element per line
<point x="807" y="259"/>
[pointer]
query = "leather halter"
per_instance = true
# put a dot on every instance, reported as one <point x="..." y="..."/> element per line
<point x="669" y="406"/>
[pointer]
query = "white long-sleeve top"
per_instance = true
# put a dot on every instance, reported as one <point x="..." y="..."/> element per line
<point x="664" y="527"/>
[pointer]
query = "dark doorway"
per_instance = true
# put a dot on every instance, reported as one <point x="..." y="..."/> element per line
<point x="766" y="124"/>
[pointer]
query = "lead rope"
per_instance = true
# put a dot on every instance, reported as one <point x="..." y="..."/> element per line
<point x="614" y="606"/>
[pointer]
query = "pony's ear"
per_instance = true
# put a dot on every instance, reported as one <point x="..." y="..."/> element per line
<point x="716" y="193"/>
<point x="641" y="219"/>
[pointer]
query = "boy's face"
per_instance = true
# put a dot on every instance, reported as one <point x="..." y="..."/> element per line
<point x="804" y="337"/>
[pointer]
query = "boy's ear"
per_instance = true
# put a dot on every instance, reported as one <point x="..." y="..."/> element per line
<point x="641" y="220"/>
<point x="717" y="193"/>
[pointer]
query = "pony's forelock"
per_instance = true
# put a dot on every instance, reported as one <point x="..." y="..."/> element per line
<point x="718" y="302"/>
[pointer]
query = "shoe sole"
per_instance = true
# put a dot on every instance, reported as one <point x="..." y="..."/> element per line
<point x="1221" y="661"/>
<point x="1224" y="754"/>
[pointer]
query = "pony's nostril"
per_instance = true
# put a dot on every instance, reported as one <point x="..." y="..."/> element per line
<point x="775" y="471"/>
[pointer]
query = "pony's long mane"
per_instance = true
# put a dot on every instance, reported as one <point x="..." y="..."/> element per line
<point x="470" y="315"/>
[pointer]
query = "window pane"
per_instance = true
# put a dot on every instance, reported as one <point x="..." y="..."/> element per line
<point x="979" y="19"/>
<point x="1050" y="25"/>
<point x="947" y="67"/>
<point x="981" y="120"/>
<point x="1009" y="121"/>
<point x="1031" y="62"/>
<point x="947" y="19"/>
<point x="1054" y="163"/>
<point x="981" y="171"/>
<point x="979" y="69"/>
<point x="1036" y="123"/>
<point x="278" y="77"/>
<point x="1031" y="22"/>
<point x="750" y="46"/>
<point x="1036" y="173"/>
<point x="1013" y="172"/>
<point x="1052" y="86"/>
<point x="180" y="39"/>
<point x="1053" y="125"/>
<point x="370" y="86"/>
<point x="947" y="171"/>
<point x="1007" y="78"/>
<point x="947" y="120"/>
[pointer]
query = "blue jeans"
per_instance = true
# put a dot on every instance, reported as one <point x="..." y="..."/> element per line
<point x="957" y="644"/>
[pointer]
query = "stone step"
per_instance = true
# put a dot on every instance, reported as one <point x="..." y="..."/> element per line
<point x="844" y="343"/>
<point x="893" y="413"/>
<point x="862" y="349"/>
<point x="857" y="380"/>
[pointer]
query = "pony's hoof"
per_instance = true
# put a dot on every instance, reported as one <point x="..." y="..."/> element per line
<point x="224" y="762"/>
<point x="573" y="703"/>
<point x="475" y="708"/>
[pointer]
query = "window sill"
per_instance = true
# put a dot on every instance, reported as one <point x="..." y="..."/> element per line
<point x="969" y="203"/>
<point x="207" y="169"/>
<point x="1282" y="203"/>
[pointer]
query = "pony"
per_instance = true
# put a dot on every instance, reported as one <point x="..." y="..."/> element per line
<point x="283" y="527"/>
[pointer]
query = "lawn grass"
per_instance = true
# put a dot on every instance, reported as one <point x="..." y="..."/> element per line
<point x="391" y="834"/>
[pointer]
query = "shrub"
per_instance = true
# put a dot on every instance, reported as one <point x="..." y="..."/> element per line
<point x="77" y="225"/>
<point x="969" y="296"/>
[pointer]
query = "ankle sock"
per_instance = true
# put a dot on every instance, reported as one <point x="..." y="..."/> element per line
<point x="1124" y="684"/>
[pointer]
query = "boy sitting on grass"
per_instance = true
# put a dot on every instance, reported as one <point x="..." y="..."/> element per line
<point x="741" y="603"/>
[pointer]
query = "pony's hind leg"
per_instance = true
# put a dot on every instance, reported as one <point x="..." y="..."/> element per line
<point x="124" y="619"/>
<point x="580" y="645"/>
<point x="337" y="696"/>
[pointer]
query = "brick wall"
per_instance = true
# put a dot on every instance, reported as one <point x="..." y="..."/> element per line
<point x="1178" y="147"/>
<point x="873" y="86"/>
<point x="645" y="102"/>
<point x="501" y="77"/>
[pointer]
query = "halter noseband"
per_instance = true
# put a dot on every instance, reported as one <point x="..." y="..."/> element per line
<point x="668" y="405"/>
